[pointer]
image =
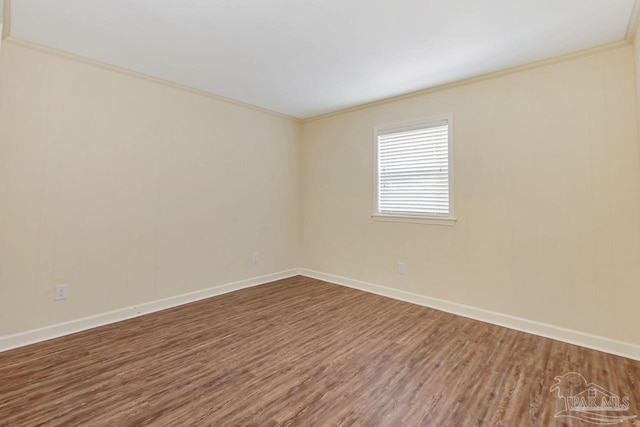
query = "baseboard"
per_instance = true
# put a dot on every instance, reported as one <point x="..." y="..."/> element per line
<point x="595" y="342"/>
<point x="8" y="342"/>
<point x="607" y="345"/>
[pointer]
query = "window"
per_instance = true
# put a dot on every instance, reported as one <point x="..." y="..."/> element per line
<point x="414" y="172"/>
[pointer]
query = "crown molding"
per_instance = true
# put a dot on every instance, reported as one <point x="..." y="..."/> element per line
<point x="632" y="29"/>
<point x="476" y="79"/>
<point x="142" y="76"/>
<point x="634" y="22"/>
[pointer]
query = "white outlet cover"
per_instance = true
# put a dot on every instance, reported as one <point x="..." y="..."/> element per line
<point x="61" y="292"/>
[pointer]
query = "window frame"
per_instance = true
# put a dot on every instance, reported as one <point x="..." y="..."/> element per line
<point x="450" y="219"/>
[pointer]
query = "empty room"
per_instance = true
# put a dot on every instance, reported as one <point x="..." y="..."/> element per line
<point x="320" y="213"/>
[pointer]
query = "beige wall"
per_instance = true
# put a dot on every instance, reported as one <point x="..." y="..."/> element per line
<point x="131" y="191"/>
<point x="547" y="196"/>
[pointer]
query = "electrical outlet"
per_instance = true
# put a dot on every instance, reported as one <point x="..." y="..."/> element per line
<point x="61" y="292"/>
<point x="255" y="257"/>
<point x="401" y="267"/>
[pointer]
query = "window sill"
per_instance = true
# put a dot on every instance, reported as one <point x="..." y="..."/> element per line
<point x="433" y="220"/>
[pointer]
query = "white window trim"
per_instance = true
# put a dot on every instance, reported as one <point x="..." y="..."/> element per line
<point x="408" y="218"/>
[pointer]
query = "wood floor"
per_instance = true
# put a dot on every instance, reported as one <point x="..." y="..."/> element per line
<point x="301" y="352"/>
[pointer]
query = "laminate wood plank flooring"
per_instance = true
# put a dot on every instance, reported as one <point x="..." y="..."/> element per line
<point x="302" y="352"/>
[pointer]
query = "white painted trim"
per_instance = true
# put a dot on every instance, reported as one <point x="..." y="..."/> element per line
<point x="607" y="345"/>
<point x="595" y="342"/>
<point x="8" y="342"/>
<point x="415" y="219"/>
<point x="634" y="22"/>
<point x="492" y="75"/>
<point x="141" y="76"/>
<point x="422" y="122"/>
<point x="6" y="34"/>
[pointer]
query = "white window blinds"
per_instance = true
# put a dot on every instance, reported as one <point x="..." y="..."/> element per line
<point x="413" y="170"/>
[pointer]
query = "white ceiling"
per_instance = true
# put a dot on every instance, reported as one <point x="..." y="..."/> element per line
<point x="308" y="57"/>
